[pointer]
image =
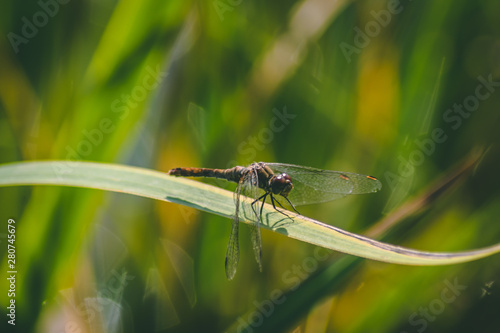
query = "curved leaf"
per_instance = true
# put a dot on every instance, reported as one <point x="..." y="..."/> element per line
<point x="158" y="185"/>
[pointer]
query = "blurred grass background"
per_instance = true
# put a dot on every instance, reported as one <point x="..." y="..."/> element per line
<point x="219" y="83"/>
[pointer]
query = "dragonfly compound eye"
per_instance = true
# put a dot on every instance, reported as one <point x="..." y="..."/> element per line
<point x="281" y="184"/>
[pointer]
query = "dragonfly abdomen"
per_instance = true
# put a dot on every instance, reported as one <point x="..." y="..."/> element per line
<point x="233" y="174"/>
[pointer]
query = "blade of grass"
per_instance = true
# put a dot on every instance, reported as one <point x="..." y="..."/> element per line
<point x="158" y="185"/>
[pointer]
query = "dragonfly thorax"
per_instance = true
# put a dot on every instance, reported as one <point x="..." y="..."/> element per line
<point x="281" y="184"/>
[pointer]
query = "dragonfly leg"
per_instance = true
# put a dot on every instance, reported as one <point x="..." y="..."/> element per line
<point x="291" y="204"/>
<point x="273" y="199"/>
<point x="261" y="207"/>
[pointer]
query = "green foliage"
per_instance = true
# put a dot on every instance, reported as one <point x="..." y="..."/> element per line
<point x="214" y="84"/>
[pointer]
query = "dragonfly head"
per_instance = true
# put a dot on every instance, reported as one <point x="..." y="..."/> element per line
<point x="281" y="184"/>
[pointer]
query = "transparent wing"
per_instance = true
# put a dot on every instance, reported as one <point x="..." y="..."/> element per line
<point x="311" y="185"/>
<point x="250" y="189"/>
<point x="233" y="250"/>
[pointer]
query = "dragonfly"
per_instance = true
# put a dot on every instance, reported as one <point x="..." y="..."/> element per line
<point x="296" y="185"/>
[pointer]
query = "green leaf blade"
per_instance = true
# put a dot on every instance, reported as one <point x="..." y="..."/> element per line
<point x="160" y="186"/>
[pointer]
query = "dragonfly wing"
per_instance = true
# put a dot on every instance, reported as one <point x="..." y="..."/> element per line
<point x="313" y="185"/>
<point x="233" y="250"/>
<point x="250" y="188"/>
